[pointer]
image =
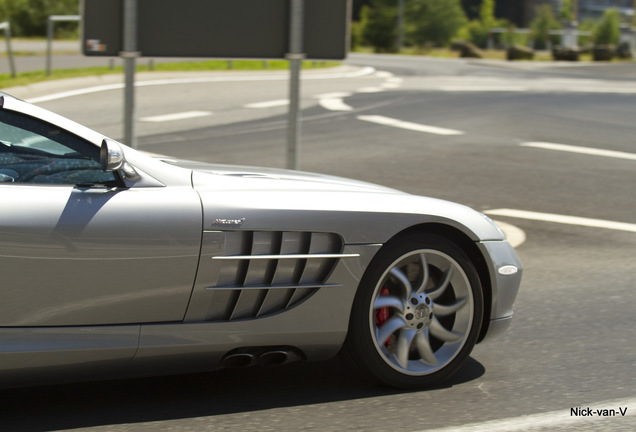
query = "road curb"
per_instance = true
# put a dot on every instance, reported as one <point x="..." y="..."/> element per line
<point x="45" y="88"/>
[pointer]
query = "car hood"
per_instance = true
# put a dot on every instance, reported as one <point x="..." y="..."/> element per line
<point x="266" y="199"/>
<point x="259" y="178"/>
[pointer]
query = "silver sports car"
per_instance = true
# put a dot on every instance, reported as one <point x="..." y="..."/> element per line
<point x="118" y="264"/>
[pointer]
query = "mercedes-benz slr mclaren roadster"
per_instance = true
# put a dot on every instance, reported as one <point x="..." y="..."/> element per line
<point x="118" y="264"/>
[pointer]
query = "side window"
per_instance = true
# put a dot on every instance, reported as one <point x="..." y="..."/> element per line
<point x="32" y="151"/>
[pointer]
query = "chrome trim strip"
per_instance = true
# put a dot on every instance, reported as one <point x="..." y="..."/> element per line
<point x="265" y="287"/>
<point x="290" y="256"/>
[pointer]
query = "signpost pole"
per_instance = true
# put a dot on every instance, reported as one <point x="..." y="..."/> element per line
<point x="295" y="57"/>
<point x="129" y="54"/>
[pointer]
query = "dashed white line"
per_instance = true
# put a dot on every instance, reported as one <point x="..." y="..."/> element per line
<point x="176" y="116"/>
<point x="477" y="88"/>
<point x="581" y="150"/>
<point x="370" y="90"/>
<point x="334" y="104"/>
<point x="268" y="104"/>
<point x="546" y="420"/>
<point x="387" y="121"/>
<point x="333" y="95"/>
<point x="563" y="219"/>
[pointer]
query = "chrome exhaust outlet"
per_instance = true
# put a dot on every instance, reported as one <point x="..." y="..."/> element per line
<point x="238" y="360"/>
<point x="273" y="358"/>
<point x="263" y="356"/>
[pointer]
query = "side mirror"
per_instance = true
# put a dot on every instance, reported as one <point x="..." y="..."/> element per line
<point x="111" y="157"/>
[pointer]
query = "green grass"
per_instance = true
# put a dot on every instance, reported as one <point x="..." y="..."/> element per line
<point x="540" y="56"/>
<point x="26" y="78"/>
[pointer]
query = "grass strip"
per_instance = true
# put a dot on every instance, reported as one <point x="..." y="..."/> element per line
<point x="26" y="78"/>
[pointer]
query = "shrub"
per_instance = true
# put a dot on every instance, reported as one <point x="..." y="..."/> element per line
<point x="378" y="25"/>
<point x="607" y="31"/>
<point x="541" y="26"/>
<point x="29" y="17"/>
<point x="433" y="21"/>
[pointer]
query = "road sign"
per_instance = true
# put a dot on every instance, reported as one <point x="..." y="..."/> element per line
<point x="217" y="28"/>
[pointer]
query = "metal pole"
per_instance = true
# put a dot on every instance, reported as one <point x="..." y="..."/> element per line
<point x="50" y="34"/>
<point x="7" y="36"/>
<point x="295" y="57"/>
<point x="129" y="55"/>
<point x="400" y="42"/>
<point x="49" y="43"/>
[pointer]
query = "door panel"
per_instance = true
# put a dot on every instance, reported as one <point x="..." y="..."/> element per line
<point x="95" y="256"/>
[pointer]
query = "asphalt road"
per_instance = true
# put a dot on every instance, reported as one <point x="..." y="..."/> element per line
<point x="548" y="149"/>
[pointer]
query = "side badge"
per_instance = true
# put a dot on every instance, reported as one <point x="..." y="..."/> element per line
<point x="228" y="223"/>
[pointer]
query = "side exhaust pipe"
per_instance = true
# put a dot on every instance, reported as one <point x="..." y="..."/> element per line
<point x="272" y="358"/>
<point x="263" y="356"/>
<point x="238" y="360"/>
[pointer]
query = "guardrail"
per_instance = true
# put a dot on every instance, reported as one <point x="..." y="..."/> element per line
<point x="50" y="27"/>
<point x="6" y="27"/>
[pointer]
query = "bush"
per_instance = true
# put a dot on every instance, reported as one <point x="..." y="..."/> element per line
<point x="433" y="21"/>
<point x="603" y="52"/>
<point x="607" y="31"/>
<point x="378" y="25"/>
<point x="477" y="31"/>
<point x="518" y="52"/>
<point x="29" y="17"/>
<point x="561" y="53"/>
<point x="467" y="49"/>
<point x="541" y="26"/>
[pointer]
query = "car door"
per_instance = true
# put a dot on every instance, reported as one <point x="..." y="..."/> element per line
<point x="77" y="248"/>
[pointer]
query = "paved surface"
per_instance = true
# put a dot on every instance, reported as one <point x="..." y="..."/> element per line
<point x="571" y="344"/>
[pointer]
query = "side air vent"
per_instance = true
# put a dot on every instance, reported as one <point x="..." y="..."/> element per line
<point x="254" y="274"/>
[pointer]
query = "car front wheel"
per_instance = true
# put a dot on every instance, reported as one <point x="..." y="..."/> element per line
<point x="417" y="313"/>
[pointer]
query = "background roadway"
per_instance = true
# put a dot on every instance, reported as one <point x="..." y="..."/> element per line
<point x="571" y="344"/>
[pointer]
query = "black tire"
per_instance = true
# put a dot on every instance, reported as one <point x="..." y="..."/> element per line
<point x="417" y="313"/>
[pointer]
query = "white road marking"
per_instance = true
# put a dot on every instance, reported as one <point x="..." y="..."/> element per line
<point x="546" y="420"/>
<point x="268" y="104"/>
<point x="563" y="219"/>
<point x="390" y="85"/>
<point x="515" y="235"/>
<point x="333" y="95"/>
<point x="334" y="104"/>
<point x="198" y="80"/>
<point x="384" y="74"/>
<point x="581" y="150"/>
<point x="617" y="90"/>
<point x="176" y="116"/>
<point x="387" y="121"/>
<point x="480" y="88"/>
<point x="370" y="90"/>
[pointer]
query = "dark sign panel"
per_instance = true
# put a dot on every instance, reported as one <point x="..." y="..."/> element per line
<point x="217" y="28"/>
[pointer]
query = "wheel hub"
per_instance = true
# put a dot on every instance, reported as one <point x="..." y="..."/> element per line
<point x="418" y="312"/>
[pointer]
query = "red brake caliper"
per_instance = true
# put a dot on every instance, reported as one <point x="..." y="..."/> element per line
<point x="382" y="314"/>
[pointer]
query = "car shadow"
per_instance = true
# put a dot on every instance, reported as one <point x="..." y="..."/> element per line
<point x="228" y="391"/>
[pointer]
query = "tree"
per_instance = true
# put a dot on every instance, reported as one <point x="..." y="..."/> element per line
<point x="607" y="31"/>
<point x="542" y="24"/>
<point x="433" y="21"/>
<point x="565" y="13"/>
<point x="477" y="31"/>
<point x="378" y="24"/>
<point x="29" y="17"/>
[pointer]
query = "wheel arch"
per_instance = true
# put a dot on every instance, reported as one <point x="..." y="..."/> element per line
<point x="474" y="254"/>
